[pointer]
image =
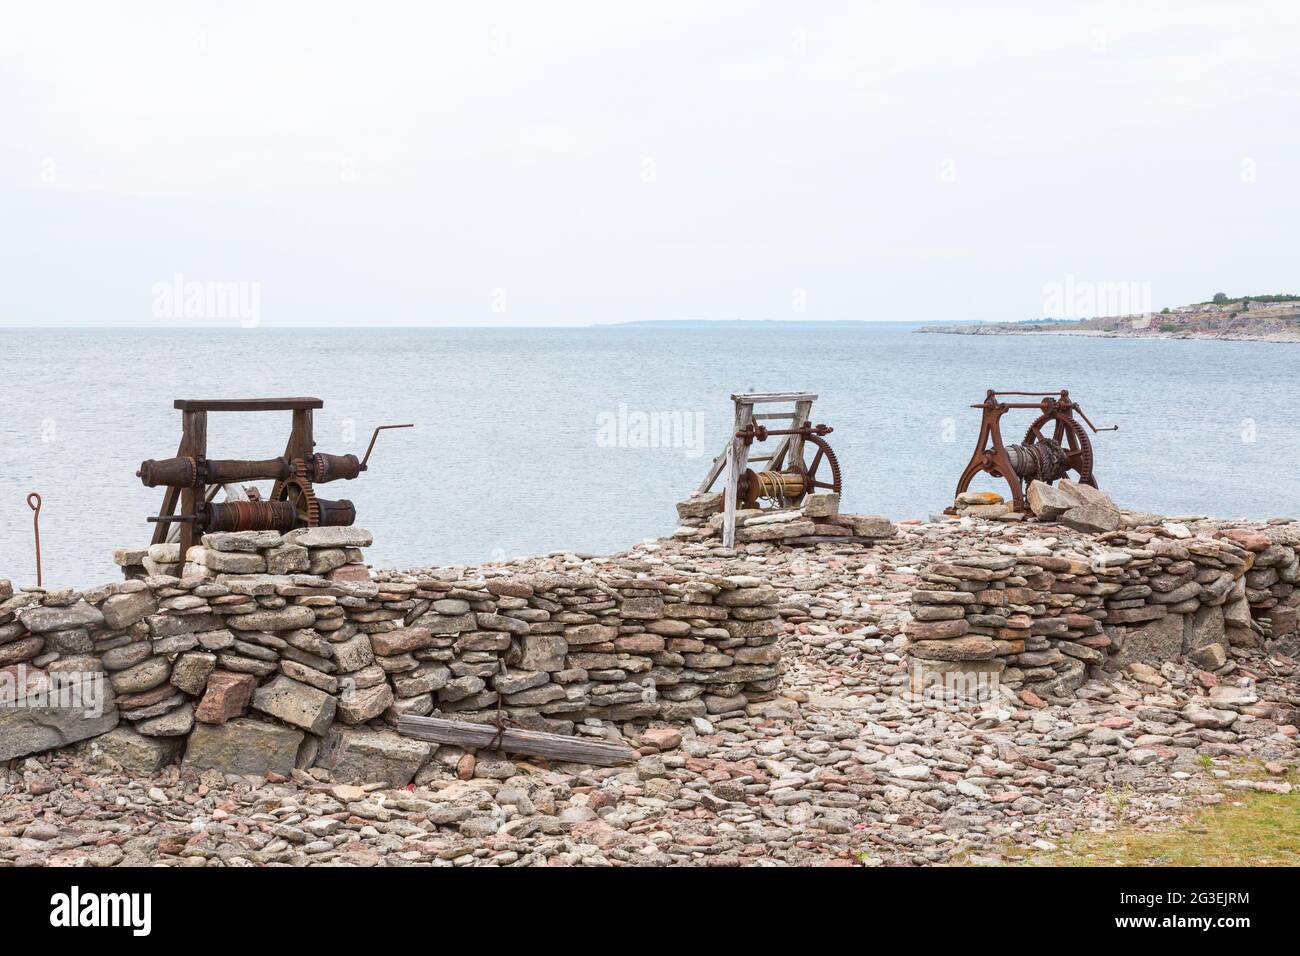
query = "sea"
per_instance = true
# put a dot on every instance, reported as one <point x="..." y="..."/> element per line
<point x="530" y="440"/>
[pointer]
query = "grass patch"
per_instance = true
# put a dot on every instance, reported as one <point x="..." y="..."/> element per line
<point x="1246" y="829"/>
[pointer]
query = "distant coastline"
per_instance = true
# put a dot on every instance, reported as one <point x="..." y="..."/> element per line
<point x="764" y="323"/>
<point x="1250" y="319"/>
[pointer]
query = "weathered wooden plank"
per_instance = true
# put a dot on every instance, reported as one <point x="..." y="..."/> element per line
<point x="794" y="446"/>
<point x="757" y="398"/>
<point x="715" y="469"/>
<point x="744" y="416"/>
<point x="301" y="443"/>
<point x="553" y="746"/>
<point x="247" y="404"/>
<point x="737" y="458"/>
<point x="194" y="426"/>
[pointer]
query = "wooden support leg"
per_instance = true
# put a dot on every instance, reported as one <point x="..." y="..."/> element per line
<point x="737" y="462"/>
<point x="194" y="427"/>
<point x="302" y="444"/>
<point x="730" y="476"/>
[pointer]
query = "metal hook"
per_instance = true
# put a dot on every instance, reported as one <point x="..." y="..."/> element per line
<point x="34" y="502"/>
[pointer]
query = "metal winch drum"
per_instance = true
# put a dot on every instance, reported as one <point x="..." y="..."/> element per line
<point x="293" y="502"/>
<point x="192" y="479"/>
<point x="788" y="486"/>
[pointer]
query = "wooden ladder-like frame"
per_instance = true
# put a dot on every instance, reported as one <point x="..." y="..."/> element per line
<point x="734" y="458"/>
<point x="194" y="444"/>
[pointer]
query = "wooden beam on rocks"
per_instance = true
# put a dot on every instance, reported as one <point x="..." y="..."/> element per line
<point x="553" y="746"/>
<point x="737" y="461"/>
<point x="755" y="398"/>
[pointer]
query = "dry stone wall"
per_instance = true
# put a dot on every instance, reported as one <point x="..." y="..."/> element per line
<point x="1047" y="615"/>
<point x="261" y="653"/>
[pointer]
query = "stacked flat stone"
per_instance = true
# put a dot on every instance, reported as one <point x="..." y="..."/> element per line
<point x="554" y="649"/>
<point x="269" y="654"/>
<point x="180" y="657"/>
<point x="1051" y="617"/>
<point x="817" y="521"/>
<point x="320" y="551"/>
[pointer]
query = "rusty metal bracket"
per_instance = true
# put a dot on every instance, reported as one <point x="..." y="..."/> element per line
<point x="34" y="502"/>
<point x="754" y="432"/>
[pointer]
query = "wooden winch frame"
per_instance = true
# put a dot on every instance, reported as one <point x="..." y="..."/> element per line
<point x="735" y="457"/>
<point x="194" y="444"/>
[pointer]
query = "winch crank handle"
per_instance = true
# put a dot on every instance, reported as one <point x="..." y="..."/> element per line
<point x="371" y="446"/>
<point x="1095" y="429"/>
<point x="34" y="502"/>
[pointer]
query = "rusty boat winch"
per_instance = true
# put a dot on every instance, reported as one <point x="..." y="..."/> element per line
<point x="788" y="486"/>
<point x="1054" y="445"/>
<point x="192" y="479"/>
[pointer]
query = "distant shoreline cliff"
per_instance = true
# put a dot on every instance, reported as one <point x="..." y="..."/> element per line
<point x="1265" y="319"/>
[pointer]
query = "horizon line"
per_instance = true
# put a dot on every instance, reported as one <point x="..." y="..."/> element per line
<point x="234" y="327"/>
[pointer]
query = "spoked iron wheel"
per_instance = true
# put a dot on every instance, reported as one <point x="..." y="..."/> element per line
<point x="825" y="455"/>
<point x="1069" y="436"/>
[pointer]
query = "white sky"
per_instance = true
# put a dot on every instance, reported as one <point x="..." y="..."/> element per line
<point x="572" y="163"/>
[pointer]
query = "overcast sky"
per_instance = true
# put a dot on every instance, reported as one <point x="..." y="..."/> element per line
<point x="573" y="163"/>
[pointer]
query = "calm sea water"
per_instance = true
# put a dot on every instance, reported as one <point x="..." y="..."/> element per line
<point x="518" y="447"/>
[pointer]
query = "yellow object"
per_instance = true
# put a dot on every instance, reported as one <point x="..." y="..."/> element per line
<point x="980" y="498"/>
<point x="780" y="484"/>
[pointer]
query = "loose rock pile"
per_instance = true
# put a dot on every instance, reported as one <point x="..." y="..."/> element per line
<point x="1077" y="506"/>
<point x="817" y="521"/>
